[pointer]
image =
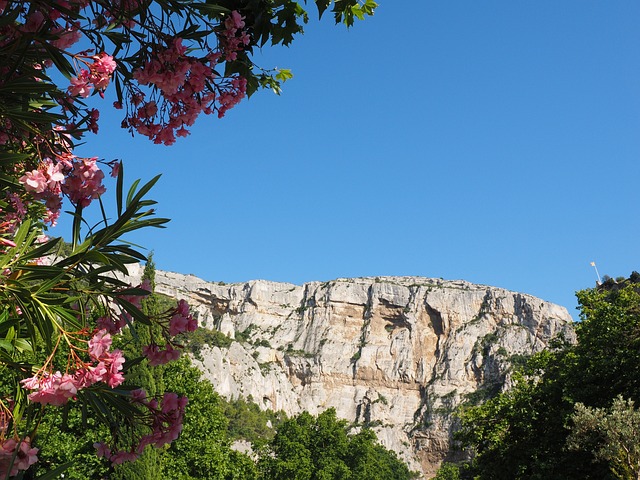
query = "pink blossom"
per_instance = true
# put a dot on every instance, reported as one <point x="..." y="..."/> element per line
<point x="102" y="450"/>
<point x="122" y="456"/>
<point x="92" y="123"/>
<point x="34" y="22"/>
<point x="34" y="181"/>
<point x="157" y="357"/>
<point x="138" y="396"/>
<point x="87" y="376"/>
<point x="115" y="168"/>
<point x="169" y="402"/>
<point x="99" y="344"/>
<point x="68" y="37"/>
<point x="234" y="21"/>
<point x="104" y="64"/>
<point x="22" y="454"/>
<point x="103" y="67"/>
<point x="178" y="324"/>
<point x="113" y="362"/>
<point x="182" y="308"/>
<point x="80" y="85"/>
<point x="84" y="182"/>
<point x="54" y="389"/>
<point x="6" y="242"/>
<point x="106" y="323"/>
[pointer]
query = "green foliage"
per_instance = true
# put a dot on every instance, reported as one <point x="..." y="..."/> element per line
<point x="321" y="448"/>
<point x="194" y="341"/>
<point x="245" y="335"/>
<point x="147" y="466"/>
<point x="69" y="436"/>
<point x="608" y="351"/>
<point x="448" y="471"/>
<point x="525" y="433"/>
<point x="202" y="451"/>
<point x="612" y="434"/>
<point x="248" y="422"/>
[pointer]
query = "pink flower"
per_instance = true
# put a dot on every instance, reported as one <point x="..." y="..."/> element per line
<point x="102" y="450"/>
<point x="115" y="168"/>
<point x="104" y="64"/>
<point x="84" y="182"/>
<point x="6" y="242"/>
<point x="103" y="67"/>
<point x="34" y="181"/>
<point x="121" y="457"/>
<point x="54" y="389"/>
<point x="80" y="86"/>
<point x="92" y="123"/>
<point x="27" y="456"/>
<point x="89" y="375"/>
<point x="139" y="395"/>
<point x="22" y="454"/>
<point x="169" y="402"/>
<point x="67" y="37"/>
<point x="113" y="363"/>
<point x="178" y="324"/>
<point x="234" y="21"/>
<point x="99" y="344"/>
<point x="157" y="357"/>
<point x="183" y="308"/>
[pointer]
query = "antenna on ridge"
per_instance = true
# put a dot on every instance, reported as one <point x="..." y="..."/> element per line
<point x="599" y="281"/>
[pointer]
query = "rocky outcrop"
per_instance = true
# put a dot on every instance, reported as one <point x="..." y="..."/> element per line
<point x="396" y="353"/>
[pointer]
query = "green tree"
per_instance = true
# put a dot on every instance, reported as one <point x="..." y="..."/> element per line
<point x="202" y="451"/>
<point x="448" y="471"/>
<point x="613" y="435"/>
<point x="523" y="433"/>
<point x="321" y="448"/>
<point x="248" y="422"/>
<point x="608" y="349"/>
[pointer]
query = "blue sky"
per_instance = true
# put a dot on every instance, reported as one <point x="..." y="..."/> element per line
<point x="496" y="142"/>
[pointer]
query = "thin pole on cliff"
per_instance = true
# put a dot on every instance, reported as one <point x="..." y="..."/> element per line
<point x="593" y="264"/>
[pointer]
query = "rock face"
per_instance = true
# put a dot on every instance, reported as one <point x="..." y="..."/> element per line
<point x="396" y="353"/>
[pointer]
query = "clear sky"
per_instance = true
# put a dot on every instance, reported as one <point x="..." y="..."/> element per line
<point x="496" y="142"/>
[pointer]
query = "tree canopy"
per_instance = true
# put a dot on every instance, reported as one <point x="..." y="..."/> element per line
<point x="322" y="448"/>
<point x="572" y="412"/>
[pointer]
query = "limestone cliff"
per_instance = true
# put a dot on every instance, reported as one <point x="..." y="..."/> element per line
<point x="397" y="353"/>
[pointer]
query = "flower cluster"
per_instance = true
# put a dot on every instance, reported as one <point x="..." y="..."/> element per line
<point x="184" y="85"/>
<point x="234" y="38"/>
<point x="177" y="321"/>
<point x="78" y="178"/>
<point x="164" y="422"/>
<point x="57" y="388"/>
<point x="97" y="76"/>
<point x="84" y="181"/>
<point x="115" y="322"/>
<point x="21" y="452"/>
